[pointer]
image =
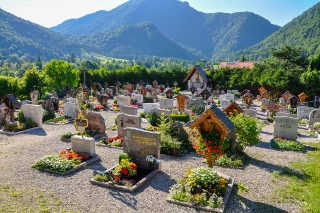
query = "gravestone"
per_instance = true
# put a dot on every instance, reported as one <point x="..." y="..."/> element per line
<point x="175" y="111"/>
<point x="144" y="91"/>
<point x="124" y="92"/>
<point x="284" y="110"/>
<point x="148" y="106"/>
<point x="130" y="87"/>
<point x="137" y="97"/>
<point x="129" y="110"/>
<point x="154" y="95"/>
<point x="34" y="112"/>
<point x="286" y="114"/>
<point x="265" y="101"/>
<point x="114" y="90"/>
<point x="140" y="143"/>
<point x="250" y="112"/>
<point x="110" y="92"/>
<point x="274" y="107"/>
<point x="227" y="97"/>
<point x="124" y="121"/>
<point x="158" y="111"/>
<point x="96" y="122"/>
<point x="83" y="144"/>
<point x="190" y="103"/>
<point x="224" y="104"/>
<point x="165" y="103"/>
<point x="285" y="127"/>
<point x="314" y="116"/>
<point x="123" y="100"/>
<point x="69" y="109"/>
<point x="316" y="102"/>
<point x="34" y="95"/>
<point x="282" y="101"/>
<point x="303" y="112"/>
<point x="182" y="100"/>
<point x="103" y="99"/>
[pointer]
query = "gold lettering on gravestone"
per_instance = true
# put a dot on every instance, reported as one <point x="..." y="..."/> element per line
<point x="143" y="140"/>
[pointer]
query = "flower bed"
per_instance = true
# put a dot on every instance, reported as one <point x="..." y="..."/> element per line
<point x="66" y="162"/>
<point x="281" y="143"/>
<point x="115" y="141"/>
<point x="203" y="189"/>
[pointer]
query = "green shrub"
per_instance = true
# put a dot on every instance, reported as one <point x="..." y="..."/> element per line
<point x="47" y="115"/>
<point x="177" y="117"/>
<point x="21" y="117"/>
<point x="147" y="100"/>
<point x="153" y="119"/>
<point x="66" y="135"/>
<point x="124" y="156"/>
<point x="102" y="177"/>
<point x="287" y="144"/>
<point x="200" y="109"/>
<point x="142" y="114"/>
<point x="28" y="122"/>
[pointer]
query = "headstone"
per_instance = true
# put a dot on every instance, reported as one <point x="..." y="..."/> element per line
<point x="286" y="114"/>
<point x="285" y="127"/>
<point x="182" y="100"/>
<point x="34" y="112"/>
<point x="314" y="116"/>
<point x="83" y="144"/>
<point x="175" y="111"/>
<point x="129" y="110"/>
<point x="144" y="91"/>
<point x="316" y="102"/>
<point x="124" y="121"/>
<point x="96" y="122"/>
<point x="138" y="97"/>
<point x="265" y="101"/>
<point x="123" y="100"/>
<point x="250" y="112"/>
<point x="158" y="111"/>
<point x="224" y="104"/>
<point x="303" y="112"/>
<point x="130" y="87"/>
<point x="190" y="103"/>
<point x="284" y="110"/>
<point x="148" y="106"/>
<point x="34" y="95"/>
<point x="109" y="91"/>
<point x="227" y="97"/>
<point x="69" y="109"/>
<point x="282" y="101"/>
<point x="165" y="103"/>
<point x="103" y="100"/>
<point x="114" y="90"/>
<point x="124" y="92"/>
<point x="140" y="143"/>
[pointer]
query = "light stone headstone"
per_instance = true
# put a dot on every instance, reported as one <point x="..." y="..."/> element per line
<point x="123" y="100"/>
<point x="286" y="114"/>
<point x="224" y="104"/>
<point x="190" y="103"/>
<point x="83" y="145"/>
<point x="124" y="92"/>
<point x="129" y="110"/>
<point x="303" y="112"/>
<point x="314" y="116"/>
<point x="69" y="109"/>
<point x="285" y="127"/>
<point x="284" y="110"/>
<point x="175" y="111"/>
<point x="34" y="112"/>
<point x="158" y="111"/>
<point x="227" y="96"/>
<point x="140" y="143"/>
<point x="265" y="102"/>
<point x="148" y="106"/>
<point x="166" y="103"/>
<point x="250" y="112"/>
<point x="109" y="91"/>
<point x="124" y="121"/>
<point x="138" y="97"/>
<point x="282" y="101"/>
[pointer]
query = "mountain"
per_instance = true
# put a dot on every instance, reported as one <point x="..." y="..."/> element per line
<point x="132" y="42"/>
<point x="215" y="35"/>
<point x="22" y="38"/>
<point x="303" y="31"/>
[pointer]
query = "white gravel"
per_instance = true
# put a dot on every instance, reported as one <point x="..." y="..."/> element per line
<point x="17" y="153"/>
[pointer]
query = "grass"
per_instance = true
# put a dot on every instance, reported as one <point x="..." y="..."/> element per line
<point x="231" y="160"/>
<point x="302" y="183"/>
<point x="30" y="200"/>
<point x="61" y="118"/>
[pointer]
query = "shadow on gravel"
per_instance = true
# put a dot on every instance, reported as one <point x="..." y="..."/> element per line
<point x="126" y="198"/>
<point x="266" y="133"/>
<point x="236" y="202"/>
<point x="39" y="132"/>
<point x="281" y="170"/>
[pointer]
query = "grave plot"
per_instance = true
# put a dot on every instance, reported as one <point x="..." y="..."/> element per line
<point x="81" y="153"/>
<point x="138" y="164"/>
<point x="209" y="190"/>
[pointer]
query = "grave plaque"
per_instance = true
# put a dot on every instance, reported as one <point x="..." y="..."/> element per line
<point x="165" y="103"/>
<point x="83" y="145"/>
<point x="103" y="100"/>
<point x="303" y="112"/>
<point x="34" y="112"/>
<point x="129" y="110"/>
<point x="123" y="100"/>
<point x="69" y="109"/>
<point x="140" y="143"/>
<point x="124" y="121"/>
<point x="137" y="97"/>
<point x="265" y="101"/>
<point x="314" y="116"/>
<point x="285" y="127"/>
<point x="148" y="106"/>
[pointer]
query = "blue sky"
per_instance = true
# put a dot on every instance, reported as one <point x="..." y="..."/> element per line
<point x="49" y="13"/>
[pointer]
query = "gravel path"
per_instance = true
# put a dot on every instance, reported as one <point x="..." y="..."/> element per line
<point x="75" y="192"/>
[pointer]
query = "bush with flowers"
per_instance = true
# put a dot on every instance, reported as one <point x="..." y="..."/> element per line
<point x="126" y="167"/>
<point x="201" y="186"/>
<point x="66" y="160"/>
<point x="209" y="145"/>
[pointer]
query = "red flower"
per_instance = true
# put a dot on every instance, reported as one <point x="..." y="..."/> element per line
<point x="124" y="171"/>
<point x="133" y="166"/>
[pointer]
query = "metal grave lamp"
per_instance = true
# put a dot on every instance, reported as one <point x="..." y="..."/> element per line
<point x="81" y="123"/>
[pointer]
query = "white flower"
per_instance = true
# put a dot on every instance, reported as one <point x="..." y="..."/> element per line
<point x="150" y="158"/>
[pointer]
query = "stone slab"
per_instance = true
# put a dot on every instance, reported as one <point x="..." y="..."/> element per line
<point x="285" y="127"/>
<point x="83" y="144"/>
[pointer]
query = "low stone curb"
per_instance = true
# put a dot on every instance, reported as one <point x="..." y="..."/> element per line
<point x="21" y="132"/>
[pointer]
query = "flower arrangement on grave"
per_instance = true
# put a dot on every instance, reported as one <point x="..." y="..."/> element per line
<point x="209" y="145"/>
<point x="115" y="103"/>
<point x="98" y="107"/>
<point x="115" y="140"/>
<point x="126" y="166"/>
<point x="133" y="102"/>
<point x="200" y="186"/>
<point x="66" y="160"/>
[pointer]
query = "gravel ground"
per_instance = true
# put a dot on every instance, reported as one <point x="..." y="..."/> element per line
<point x="77" y="193"/>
